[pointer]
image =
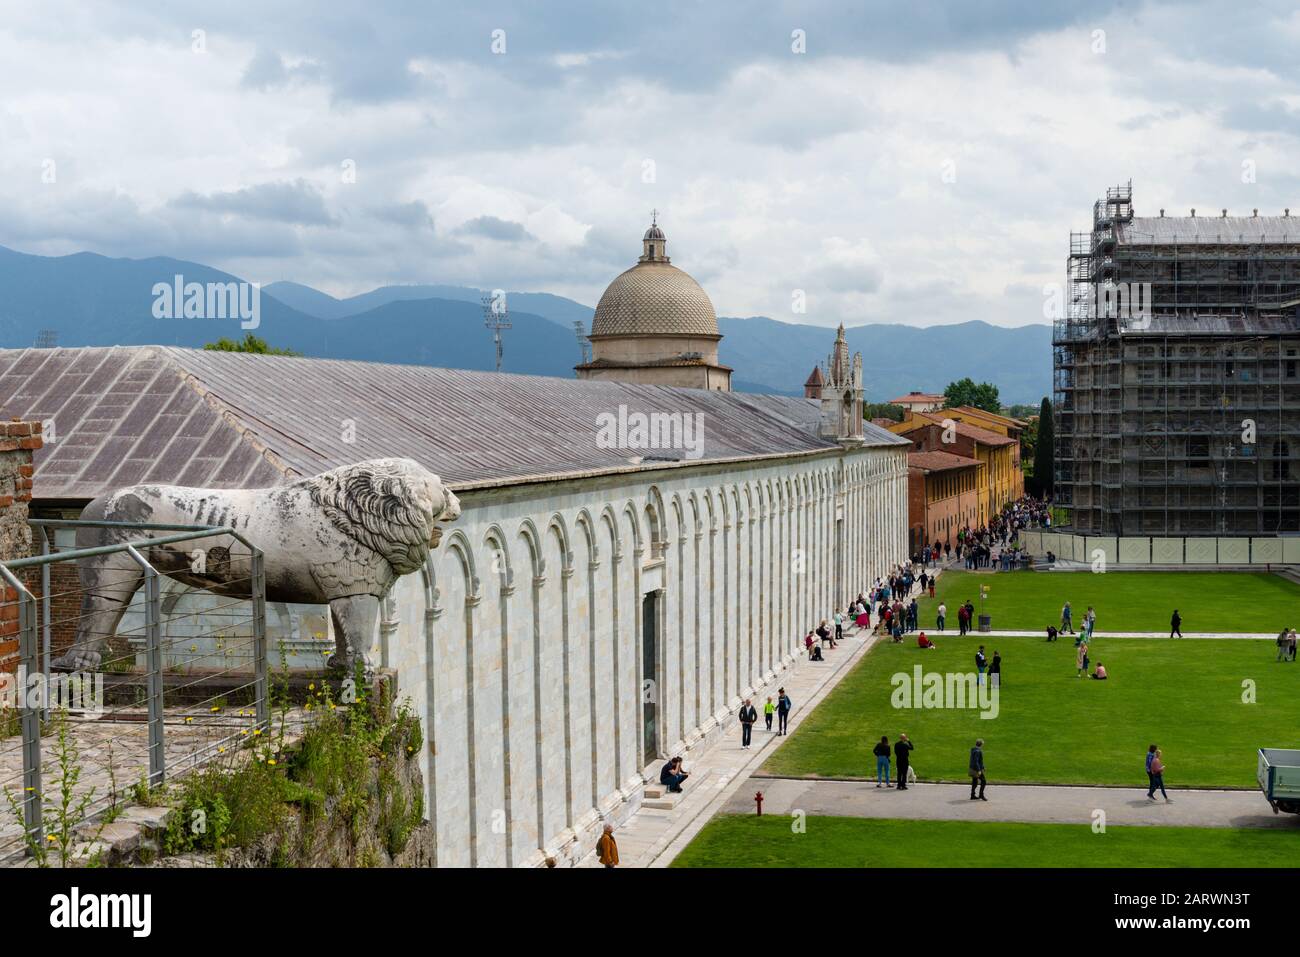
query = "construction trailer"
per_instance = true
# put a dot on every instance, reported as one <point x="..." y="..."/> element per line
<point x="1175" y="386"/>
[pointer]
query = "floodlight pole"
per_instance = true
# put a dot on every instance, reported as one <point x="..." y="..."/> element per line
<point x="496" y="317"/>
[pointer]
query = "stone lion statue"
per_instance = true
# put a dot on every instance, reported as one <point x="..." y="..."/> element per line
<point x="340" y="538"/>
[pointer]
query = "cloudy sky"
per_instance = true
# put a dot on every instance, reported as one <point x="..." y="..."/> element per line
<point x="897" y="162"/>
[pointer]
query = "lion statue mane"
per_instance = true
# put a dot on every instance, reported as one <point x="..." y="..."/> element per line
<point x="340" y="538"/>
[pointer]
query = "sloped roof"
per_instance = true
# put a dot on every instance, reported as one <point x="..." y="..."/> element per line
<point x="123" y="415"/>
<point x="937" y="417"/>
<point x="940" y="461"/>
<point x="1162" y="230"/>
<point x="917" y="397"/>
<point x="1005" y="419"/>
<point x="815" y="377"/>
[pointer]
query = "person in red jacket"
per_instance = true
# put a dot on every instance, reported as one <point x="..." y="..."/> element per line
<point x="924" y="642"/>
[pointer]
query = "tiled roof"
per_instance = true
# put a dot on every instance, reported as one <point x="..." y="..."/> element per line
<point x="939" y="461"/>
<point x="983" y="436"/>
<point x="1006" y="419"/>
<point x="124" y="415"/>
<point x="916" y="397"/>
<point x="1160" y="230"/>
<point x="654" y="299"/>
<point x="815" y="377"/>
<point x="603" y="363"/>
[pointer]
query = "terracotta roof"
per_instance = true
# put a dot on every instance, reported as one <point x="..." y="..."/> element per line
<point x="983" y="436"/>
<point x="916" y="397"/>
<point x="647" y="363"/>
<point x="939" y="461"/>
<point x="815" y="378"/>
<point x="883" y="422"/>
<point x="1015" y="423"/>
<point x="128" y="414"/>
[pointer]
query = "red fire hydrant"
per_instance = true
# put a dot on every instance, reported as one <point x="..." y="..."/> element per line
<point x="758" y="801"/>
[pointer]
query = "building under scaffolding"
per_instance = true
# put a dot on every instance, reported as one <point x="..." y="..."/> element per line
<point x="1175" y="381"/>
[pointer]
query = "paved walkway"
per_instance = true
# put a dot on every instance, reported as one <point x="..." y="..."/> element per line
<point x="652" y="837"/>
<point x="1025" y="802"/>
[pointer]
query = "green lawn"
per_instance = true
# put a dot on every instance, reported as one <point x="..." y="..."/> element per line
<point x="745" y="841"/>
<point x="1052" y="727"/>
<point x="1125" y="601"/>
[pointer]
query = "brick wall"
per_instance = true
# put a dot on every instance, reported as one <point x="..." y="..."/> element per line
<point x="17" y="442"/>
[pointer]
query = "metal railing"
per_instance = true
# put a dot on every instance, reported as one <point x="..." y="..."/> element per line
<point x="210" y="698"/>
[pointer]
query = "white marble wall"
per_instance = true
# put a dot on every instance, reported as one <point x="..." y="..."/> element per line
<point x="522" y="637"/>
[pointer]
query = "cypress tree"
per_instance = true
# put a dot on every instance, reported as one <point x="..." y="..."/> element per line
<point x="1045" y="451"/>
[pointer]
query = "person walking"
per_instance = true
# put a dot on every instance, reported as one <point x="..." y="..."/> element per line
<point x="1067" y="626"/>
<point x="995" y="670"/>
<point x="1290" y="645"/>
<point x="940" y="614"/>
<point x="977" y="770"/>
<point x="839" y="627"/>
<point x="769" y="709"/>
<point x="1089" y="623"/>
<point x="1081" y="659"/>
<point x="963" y="620"/>
<point x="981" y="662"/>
<point x="747" y="718"/>
<point x="783" y="706"/>
<point x="881" y="751"/>
<point x="1283" y="643"/>
<point x="902" y="758"/>
<point x="607" y="847"/>
<point x="1156" y="773"/>
<point x="1176" y="625"/>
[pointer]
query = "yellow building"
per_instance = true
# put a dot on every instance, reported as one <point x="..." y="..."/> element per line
<point x="947" y="430"/>
<point x="1003" y="425"/>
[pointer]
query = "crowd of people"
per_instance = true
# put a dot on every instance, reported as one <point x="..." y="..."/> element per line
<point x="995" y="544"/>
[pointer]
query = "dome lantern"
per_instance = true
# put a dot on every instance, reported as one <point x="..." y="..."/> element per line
<point x="654" y="244"/>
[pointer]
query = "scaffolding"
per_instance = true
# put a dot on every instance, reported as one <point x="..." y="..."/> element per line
<point x="1175" y="386"/>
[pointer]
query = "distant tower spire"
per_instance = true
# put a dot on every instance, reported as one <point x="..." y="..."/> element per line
<point x="842" y="394"/>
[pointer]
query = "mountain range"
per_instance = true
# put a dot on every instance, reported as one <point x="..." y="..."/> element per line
<point x="88" y="300"/>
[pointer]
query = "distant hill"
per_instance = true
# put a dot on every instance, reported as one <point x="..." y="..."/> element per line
<point x="89" y="299"/>
<point x="313" y="302"/>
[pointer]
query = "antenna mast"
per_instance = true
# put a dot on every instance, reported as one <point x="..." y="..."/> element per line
<point x="496" y="317"/>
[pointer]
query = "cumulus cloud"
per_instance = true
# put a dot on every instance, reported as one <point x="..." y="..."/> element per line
<point x="919" y="164"/>
<point x="490" y="227"/>
<point x="298" y="202"/>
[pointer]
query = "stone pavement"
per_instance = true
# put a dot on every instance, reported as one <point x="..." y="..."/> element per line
<point x="652" y="836"/>
<point x="1024" y="802"/>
